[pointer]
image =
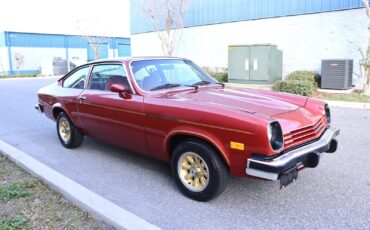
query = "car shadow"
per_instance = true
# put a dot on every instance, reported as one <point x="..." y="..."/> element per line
<point x="162" y="169"/>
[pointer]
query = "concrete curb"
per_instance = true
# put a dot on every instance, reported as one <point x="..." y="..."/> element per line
<point x="97" y="206"/>
<point x="345" y="104"/>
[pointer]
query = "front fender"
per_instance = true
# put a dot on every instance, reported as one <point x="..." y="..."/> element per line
<point x="197" y="133"/>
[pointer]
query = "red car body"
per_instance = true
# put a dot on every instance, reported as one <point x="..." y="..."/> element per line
<point x="233" y="120"/>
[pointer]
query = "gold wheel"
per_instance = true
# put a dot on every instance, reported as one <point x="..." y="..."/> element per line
<point x="64" y="129"/>
<point x="193" y="171"/>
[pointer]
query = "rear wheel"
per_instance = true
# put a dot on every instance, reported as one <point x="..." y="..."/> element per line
<point x="68" y="134"/>
<point x="198" y="170"/>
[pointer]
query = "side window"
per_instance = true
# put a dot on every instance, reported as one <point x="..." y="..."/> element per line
<point x="77" y="80"/>
<point x="104" y="76"/>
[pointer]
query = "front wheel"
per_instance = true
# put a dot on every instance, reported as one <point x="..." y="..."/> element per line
<point x="199" y="171"/>
<point x="68" y="134"/>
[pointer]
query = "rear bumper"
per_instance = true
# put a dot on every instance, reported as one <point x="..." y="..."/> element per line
<point x="39" y="108"/>
<point x="305" y="156"/>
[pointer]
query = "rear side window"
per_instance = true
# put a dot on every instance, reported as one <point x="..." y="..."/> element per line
<point x="77" y="80"/>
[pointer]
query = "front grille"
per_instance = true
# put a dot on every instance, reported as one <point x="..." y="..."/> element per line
<point x="305" y="134"/>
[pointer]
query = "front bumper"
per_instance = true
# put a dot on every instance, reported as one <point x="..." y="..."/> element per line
<point x="305" y="156"/>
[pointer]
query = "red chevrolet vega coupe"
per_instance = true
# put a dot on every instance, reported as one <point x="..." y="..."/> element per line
<point x="171" y="110"/>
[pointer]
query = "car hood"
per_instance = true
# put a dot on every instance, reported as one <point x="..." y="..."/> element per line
<point x="246" y="100"/>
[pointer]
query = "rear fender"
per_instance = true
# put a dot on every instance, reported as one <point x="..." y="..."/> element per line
<point x="58" y="106"/>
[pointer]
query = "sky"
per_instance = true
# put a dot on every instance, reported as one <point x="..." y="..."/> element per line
<point x="107" y="17"/>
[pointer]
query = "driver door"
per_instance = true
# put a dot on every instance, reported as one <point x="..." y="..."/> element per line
<point x="108" y="116"/>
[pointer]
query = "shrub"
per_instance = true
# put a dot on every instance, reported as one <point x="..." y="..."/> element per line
<point x="304" y="88"/>
<point x="310" y="76"/>
<point x="16" y="190"/>
<point x="220" y="76"/>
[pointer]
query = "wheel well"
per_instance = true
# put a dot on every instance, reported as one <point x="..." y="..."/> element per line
<point x="56" y="112"/>
<point x="177" y="139"/>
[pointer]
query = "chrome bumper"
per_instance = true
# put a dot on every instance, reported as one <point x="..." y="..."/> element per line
<point x="273" y="168"/>
<point x="39" y="108"/>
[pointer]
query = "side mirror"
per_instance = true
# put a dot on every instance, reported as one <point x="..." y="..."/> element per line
<point x="117" y="88"/>
<point x="121" y="90"/>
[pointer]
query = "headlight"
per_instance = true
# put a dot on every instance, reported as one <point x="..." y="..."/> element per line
<point x="275" y="135"/>
<point x="327" y="114"/>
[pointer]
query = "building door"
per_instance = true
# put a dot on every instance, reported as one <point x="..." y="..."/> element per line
<point x="124" y="50"/>
<point x="239" y="62"/>
<point x="258" y="64"/>
<point x="103" y="52"/>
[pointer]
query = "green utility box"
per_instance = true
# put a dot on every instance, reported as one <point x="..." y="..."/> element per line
<point x="255" y="64"/>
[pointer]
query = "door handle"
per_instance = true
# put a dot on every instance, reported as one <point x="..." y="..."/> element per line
<point x="82" y="98"/>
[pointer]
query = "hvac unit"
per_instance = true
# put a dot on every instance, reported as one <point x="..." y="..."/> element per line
<point x="336" y="74"/>
<point x="56" y="67"/>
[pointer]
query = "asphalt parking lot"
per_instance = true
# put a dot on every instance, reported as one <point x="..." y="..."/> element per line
<point x="336" y="195"/>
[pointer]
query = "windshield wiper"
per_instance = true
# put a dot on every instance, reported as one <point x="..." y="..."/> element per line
<point x="219" y="83"/>
<point x="201" y="83"/>
<point x="165" y="86"/>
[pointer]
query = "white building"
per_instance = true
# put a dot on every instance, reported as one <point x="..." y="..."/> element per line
<point x="42" y="30"/>
<point x="306" y="31"/>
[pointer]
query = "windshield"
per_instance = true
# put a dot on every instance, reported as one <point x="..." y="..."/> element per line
<point x="159" y="74"/>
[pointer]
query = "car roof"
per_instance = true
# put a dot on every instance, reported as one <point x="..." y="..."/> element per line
<point x="125" y="59"/>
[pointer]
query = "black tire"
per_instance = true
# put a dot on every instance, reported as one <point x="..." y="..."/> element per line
<point x="75" y="136"/>
<point x="217" y="171"/>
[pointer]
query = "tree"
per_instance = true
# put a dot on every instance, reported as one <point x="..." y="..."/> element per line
<point x="94" y="38"/>
<point x="167" y="19"/>
<point x="19" y="61"/>
<point x="366" y="57"/>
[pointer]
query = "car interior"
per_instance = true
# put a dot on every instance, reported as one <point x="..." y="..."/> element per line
<point x="151" y="81"/>
<point x="119" y="80"/>
<point x="105" y="81"/>
<point x="104" y="76"/>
